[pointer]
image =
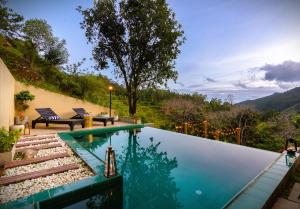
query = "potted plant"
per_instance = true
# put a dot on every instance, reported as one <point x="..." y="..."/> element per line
<point x="22" y="99"/>
<point x="7" y="144"/>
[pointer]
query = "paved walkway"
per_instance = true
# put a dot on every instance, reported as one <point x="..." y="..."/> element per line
<point x="292" y="202"/>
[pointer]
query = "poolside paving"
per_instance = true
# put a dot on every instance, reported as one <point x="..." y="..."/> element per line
<point x="295" y="193"/>
<point x="283" y="203"/>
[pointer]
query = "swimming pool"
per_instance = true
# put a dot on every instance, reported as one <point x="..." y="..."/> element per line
<point x="163" y="169"/>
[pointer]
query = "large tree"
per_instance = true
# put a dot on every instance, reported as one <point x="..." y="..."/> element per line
<point x="139" y="38"/>
<point x="39" y="32"/>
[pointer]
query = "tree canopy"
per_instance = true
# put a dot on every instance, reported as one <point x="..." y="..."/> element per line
<point x="10" y="22"/>
<point x="39" y="32"/>
<point x="139" y="38"/>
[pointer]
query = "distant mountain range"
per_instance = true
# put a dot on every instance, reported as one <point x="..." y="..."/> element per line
<point x="287" y="101"/>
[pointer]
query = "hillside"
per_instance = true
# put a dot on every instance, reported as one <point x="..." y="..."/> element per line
<point x="287" y="101"/>
<point x="29" y="67"/>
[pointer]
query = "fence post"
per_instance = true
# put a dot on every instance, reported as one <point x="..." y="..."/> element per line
<point x="238" y="135"/>
<point x="185" y="127"/>
<point x="205" y="129"/>
<point x="217" y="134"/>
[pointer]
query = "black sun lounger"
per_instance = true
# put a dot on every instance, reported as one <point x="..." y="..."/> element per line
<point x="47" y="116"/>
<point x="81" y="111"/>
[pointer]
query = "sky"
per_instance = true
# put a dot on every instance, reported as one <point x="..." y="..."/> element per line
<point x="246" y="48"/>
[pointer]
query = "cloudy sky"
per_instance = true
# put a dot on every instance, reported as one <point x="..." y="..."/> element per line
<point x="248" y="48"/>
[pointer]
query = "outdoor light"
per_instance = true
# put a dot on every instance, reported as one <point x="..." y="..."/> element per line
<point x="110" y="162"/>
<point x="291" y="150"/>
<point x="110" y="88"/>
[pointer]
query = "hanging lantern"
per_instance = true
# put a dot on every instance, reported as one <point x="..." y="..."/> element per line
<point x="291" y="150"/>
<point x="110" y="163"/>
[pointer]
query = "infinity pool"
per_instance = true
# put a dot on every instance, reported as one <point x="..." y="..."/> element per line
<point x="163" y="169"/>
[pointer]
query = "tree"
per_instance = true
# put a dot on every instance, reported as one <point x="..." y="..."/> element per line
<point x="10" y="22"/>
<point x="140" y="38"/>
<point x="39" y="32"/>
<point x="57" y="53"/>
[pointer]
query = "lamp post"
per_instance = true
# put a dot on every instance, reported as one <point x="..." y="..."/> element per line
<point x="110" y="88"/>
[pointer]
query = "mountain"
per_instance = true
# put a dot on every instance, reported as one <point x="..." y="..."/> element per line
<point x="287" y="101"/>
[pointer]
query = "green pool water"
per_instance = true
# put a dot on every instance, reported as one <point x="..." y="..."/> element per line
<point x="165" y="170"/>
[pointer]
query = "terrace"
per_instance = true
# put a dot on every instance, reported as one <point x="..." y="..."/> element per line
<point x="68" y="168"/>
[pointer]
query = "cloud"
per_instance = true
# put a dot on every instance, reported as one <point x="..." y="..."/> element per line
<point x="288" y="71"/>
<point x="180" y="84"/>
<point x="195" y="86"/>
<point x="241" y="85"/>
<point x="211" y="80"/>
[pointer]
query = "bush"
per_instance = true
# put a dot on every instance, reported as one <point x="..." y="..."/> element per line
<point x="7" y="139"/>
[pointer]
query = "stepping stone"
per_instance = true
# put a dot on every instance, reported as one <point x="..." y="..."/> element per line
<point x="282" y="203"/>
<point x="36" y="174"/>
<point x="44" y="146"/>
<point x="36" y="138"/>
<point x="17" y="163"/>
<point x="295" y="193"/>
<point x="35" y="143"/>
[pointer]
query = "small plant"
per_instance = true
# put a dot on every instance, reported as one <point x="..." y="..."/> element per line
<point x="21" y="100"/>
<point x="8" y="138"/>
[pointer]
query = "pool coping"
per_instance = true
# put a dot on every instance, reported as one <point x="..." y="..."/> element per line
<point x="68" y="190"/>
<point x="261" y="192"/>
<point x="272" y="177"/>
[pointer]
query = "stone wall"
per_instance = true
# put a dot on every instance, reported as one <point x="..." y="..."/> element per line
<point x="7" y="91"/>
<point x="60" y="104"/>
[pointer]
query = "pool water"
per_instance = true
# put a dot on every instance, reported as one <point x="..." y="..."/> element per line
<point x="163" y="169"/>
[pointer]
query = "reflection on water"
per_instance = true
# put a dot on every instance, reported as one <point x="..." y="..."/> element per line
<point x="146" y="171"/>
<point x="91" y="198"/>
<point x="147" y="176"/>
<point x="155" y="163"/>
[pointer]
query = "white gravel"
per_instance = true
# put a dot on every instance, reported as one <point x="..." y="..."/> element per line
<point x="28" y="187"/>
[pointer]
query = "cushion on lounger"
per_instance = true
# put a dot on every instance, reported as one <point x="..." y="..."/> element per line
<point x="54" y="117"/>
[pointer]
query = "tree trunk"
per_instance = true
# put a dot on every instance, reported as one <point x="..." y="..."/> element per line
<point x="132" y="101"/>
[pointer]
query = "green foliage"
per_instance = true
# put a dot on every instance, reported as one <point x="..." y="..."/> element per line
<point x="39" y="32"/>
<point x="7" y="139"/>
<point x="140" y="38"/>
<point x="296" y="121"/>
<point x="11" y="22"/>
<point x="57" y="53"/>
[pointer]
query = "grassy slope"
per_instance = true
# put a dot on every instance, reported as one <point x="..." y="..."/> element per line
<point x="27" y="66"/>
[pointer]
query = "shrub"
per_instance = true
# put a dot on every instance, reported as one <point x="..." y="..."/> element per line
<point x="7" y="139"/>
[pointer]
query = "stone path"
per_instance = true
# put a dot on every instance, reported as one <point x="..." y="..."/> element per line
<point x="16" y="163"/>
<point x="47" y="163"/>
<point x="293" y="201"/>
<point x="36" y="174"/>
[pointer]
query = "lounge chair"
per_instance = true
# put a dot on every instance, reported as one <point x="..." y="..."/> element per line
<point x="48" y="116"/>
<point x="80" y="115"/>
